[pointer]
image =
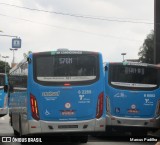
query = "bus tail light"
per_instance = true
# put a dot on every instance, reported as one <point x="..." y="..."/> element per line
<point x="99" y="110"/>
<point x="107" y="104"/>
<point x="34" y="107"/>
<point x="158" y="108"/>
<point x="67" y="84"/>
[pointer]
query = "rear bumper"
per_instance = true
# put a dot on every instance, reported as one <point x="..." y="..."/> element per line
<point x="3" y="111"/>
<point x="86" y="126"/>
<point x="150" y="123"/>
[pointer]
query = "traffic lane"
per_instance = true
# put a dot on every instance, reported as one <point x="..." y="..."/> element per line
<point x="6" y="130"/>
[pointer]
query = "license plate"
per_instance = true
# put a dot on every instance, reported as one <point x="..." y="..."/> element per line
<point x="67" y="112"/>
<point x="67" y="126"/>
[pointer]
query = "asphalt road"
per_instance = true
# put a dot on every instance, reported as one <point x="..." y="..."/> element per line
<point x="7" y="131"/>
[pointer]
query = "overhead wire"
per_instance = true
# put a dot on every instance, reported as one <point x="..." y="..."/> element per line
<point x="73" y="15"/>
<point x="71" y="29"/>
<point x="79" y="16"/>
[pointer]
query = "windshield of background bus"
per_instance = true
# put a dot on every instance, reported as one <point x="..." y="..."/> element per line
<point x="61" y="68"/>
<point x="133" y="74"/>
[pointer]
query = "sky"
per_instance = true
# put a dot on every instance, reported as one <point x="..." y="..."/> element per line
<point x="111" y="27"/>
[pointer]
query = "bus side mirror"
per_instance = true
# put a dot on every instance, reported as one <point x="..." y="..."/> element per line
<point x="106" y="68"/>
<point x="29" y="60"/>
<point x="5" y="88"/>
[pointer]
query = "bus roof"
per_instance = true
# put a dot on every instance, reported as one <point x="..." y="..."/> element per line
<point x="59" y="51"/>
<point x="128" y="63"/>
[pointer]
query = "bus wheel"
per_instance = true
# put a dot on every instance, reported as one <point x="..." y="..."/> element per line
<point x="20" y="127"/>
<point x="84" y="139"/>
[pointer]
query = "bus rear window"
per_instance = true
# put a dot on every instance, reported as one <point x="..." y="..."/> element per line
<point x="59" y="69"/>
<point x="138" y="77"/>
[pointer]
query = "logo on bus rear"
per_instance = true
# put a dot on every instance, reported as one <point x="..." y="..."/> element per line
<point x="67" y="105"/>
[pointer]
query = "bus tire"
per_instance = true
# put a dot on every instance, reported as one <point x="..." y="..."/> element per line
<point x="20" y="127"/>
<point x="84" y="139"/>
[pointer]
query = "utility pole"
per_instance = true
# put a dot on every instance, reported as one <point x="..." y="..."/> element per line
<point x="13" y="61"/>
<point x="156" y="31"/>
<point x="0" y="54"/>
<point x="5" y="61"/>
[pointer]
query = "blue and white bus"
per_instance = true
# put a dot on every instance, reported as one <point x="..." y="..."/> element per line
<point x="3" y="95"/>
<point x="133" y="97"/>
<point x="58" y="92"/>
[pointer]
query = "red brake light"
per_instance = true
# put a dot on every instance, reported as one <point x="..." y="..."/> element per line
<point x="99" y="111"/>
<point x="67" y="84"/>
<point x="34" y="107"/>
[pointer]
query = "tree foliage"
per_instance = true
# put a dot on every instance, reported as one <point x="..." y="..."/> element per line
<point x="146" y="51"/>
<point x="2" y="67"/>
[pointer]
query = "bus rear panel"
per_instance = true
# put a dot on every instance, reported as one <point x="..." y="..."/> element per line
<point x="3" y="96"/>
<point x="133" y="96"/>
<point x="65" y="93"/>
